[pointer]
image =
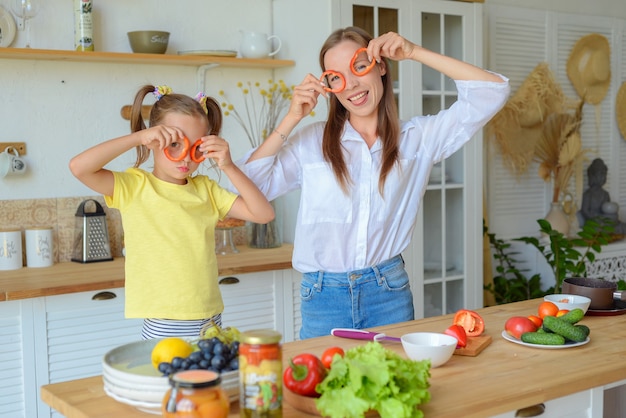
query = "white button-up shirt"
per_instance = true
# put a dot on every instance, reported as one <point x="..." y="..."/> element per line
<point x="338" y="232"/>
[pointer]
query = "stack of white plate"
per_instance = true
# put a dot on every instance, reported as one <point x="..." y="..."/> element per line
<point x="129" y="377"/>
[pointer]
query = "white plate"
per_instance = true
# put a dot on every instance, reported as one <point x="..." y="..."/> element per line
<point x="7" y="28"/>
<point x="149" y="407"/>
<point x="507" y="337"/>
<point x="210" y="52"/>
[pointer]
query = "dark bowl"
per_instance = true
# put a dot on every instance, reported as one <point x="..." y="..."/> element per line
<point x="599" y="291"/>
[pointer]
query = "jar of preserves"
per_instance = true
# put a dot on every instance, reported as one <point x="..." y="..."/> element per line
<point x="260" y="374"/>
<point x="195" y="393"/>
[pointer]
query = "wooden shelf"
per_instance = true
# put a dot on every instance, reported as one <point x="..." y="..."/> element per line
<point x="132" y="58"/>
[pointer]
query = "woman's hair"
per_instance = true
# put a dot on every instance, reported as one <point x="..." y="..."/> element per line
<point x="172" y="103"/>
<point x="388" y="121"/>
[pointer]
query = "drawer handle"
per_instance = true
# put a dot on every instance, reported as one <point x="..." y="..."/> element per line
<point x="531" y="411"/>
<point x="104" y="296"/>
<point x="229" y="280"/>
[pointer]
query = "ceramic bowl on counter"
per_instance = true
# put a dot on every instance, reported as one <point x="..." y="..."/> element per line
<point x="129" y="377"/>
<point x="569" y="302"/>
<point x="433" y="346"/>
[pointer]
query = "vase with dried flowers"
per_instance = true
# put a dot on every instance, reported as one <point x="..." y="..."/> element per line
<point x="263" y="106"/>
<point x="539" y="124"/>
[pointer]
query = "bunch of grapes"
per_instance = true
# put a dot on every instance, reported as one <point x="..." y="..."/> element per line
<point x="212" y="354"/>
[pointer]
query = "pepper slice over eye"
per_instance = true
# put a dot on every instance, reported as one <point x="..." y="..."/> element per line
<point x="366" y="69"/>
<point x="196" y="155"/>
<point x="176" y="154"/>
<point x="339" y="84"/>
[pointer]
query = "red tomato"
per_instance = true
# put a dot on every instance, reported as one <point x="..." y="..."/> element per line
<point x="329" y="353"/>
<point x="536" y="320"/>
<point x="457" y="332"/>
<point x="547" y="308"/>
<point x="562" y="312"/>
<point x="471" y="321"/>
<point x="515" y="326"/>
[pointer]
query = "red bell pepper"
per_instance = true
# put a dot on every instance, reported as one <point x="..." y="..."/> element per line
<point x="457" y="332"/>
<point x="303" y="374"/>
<point x="471" y="321"/>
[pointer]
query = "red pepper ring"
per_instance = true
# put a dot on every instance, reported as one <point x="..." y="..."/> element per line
<point x="194" y="149"/>
<point x="182" y="154"/>
<point x="354" y="58"/>
<point x="337" y="89"/>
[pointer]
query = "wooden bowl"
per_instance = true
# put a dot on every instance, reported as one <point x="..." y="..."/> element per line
<point x="307" y="405"/>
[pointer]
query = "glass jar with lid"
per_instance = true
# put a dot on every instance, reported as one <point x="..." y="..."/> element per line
<point x="195" y="393"/>
<point x="260" y="374"/>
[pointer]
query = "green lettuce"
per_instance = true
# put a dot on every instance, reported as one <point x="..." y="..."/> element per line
<point x="371" y="377"/>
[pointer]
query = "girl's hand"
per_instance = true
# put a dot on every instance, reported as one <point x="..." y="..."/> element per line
<point x="159" y="137"/>
<point x="392" y="46"/>
<point x="304" y="97"/>
<point x="217" y="149"/>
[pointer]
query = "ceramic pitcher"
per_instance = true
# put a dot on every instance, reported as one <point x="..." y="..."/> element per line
<point x="258" y="45"/>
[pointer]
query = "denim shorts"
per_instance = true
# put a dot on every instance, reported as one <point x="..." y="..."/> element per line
<point x="365" y="298"/>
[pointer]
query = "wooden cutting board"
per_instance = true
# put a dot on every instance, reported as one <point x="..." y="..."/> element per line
<point x="474" y="346"/>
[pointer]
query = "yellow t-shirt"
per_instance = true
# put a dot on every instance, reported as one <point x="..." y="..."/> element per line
<point x="169" y="236"/>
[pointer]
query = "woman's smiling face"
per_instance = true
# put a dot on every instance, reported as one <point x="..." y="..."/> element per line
<point x="362" y="94"/>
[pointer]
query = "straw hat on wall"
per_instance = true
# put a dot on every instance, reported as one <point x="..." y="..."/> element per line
<point x="589" y="67"/>
<point x="620" y="110"/>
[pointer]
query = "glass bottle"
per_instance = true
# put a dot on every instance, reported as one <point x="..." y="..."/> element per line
<point x="195" y="393"/>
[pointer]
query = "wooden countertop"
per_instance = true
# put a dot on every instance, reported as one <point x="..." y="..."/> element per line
<point x="504" y="377"/>
<point x="71" y="277"/>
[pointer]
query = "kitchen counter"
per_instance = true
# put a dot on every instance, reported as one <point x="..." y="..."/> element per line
<point x="504" y="377"/>
<point x="71" y="277"/>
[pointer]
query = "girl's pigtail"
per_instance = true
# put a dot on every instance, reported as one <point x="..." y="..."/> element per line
<point x="214" y="115"/>
<point x="137" y="123"/>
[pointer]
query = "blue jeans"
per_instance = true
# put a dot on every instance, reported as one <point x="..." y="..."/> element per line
<point x="365" y="298"/>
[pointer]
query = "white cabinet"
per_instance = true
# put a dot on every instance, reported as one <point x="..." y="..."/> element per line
<point x="444" y="260"/>
<point x="17" y="360"/>
<point x="74" y="331"/>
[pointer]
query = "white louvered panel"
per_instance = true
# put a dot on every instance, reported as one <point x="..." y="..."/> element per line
<point x="517" y="38"/>
<point x="297" y="314"/>
<point x="250" y="304"/>
<point x="621" y="77"/>
<point x="80" y="331"/>
<point x="12" y="402"/>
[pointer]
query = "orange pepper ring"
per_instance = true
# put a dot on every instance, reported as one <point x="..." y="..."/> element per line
<point x="369" y="67"/>
<point x="192" y="152"/>
<point x="338" y="89"/>
<point x="182" y="154"/>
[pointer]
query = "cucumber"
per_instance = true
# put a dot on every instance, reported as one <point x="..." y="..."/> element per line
<point x="585" y="328"/>
<point x="564" y="328"/>
<point x="543" y="338"/>
<point x="573" y="316"/>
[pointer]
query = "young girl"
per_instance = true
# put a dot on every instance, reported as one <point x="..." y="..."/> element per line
<point x="363" y="173"/>
<point x="168" y="215"/>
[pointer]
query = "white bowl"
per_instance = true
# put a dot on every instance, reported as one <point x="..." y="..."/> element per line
<point x="433" y="346"/>
<point x="569" y="302"/>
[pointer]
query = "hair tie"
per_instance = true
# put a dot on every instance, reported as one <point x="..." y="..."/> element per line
<point x="201" y="98"/>
<point x="160" y="91"/>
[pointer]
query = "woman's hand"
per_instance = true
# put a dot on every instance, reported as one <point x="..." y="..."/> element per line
<point x="304" y="97"/>
<point x="392" y="46"/>
<point x="217" y="149"/>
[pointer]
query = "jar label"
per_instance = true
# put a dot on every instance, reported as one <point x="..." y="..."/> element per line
<point x="261" y="387"/>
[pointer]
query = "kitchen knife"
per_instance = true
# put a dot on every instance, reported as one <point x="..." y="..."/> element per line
<point x="359" y="334"/>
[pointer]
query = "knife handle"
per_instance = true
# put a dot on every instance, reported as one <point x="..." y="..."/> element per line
<point x="355" y="334"/>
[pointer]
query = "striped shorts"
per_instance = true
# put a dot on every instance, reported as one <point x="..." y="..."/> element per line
<point x="161" y="328"/>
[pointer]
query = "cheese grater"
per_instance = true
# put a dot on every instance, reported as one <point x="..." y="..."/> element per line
<point x="92" y="235"/>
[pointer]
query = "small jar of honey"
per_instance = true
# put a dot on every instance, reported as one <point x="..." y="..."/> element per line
<point x="195" y="393"/>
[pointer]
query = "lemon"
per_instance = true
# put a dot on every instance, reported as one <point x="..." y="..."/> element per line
<point x="168" y="348"/>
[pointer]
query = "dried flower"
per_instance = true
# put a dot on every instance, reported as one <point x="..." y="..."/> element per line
<point x="263" y="107"/>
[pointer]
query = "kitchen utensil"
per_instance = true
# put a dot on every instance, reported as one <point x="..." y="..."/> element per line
<point x="258" y="45"/>
<point x="618" y="308"/>
<point x="359" y="334"/>
<point x="569" y="302"/>
<point x="570" y="344"/>
<point x="92" y="235"/>
<point x="434" y="346"/>
<point x="148" y="41"/>
<point x="601" y="292"/>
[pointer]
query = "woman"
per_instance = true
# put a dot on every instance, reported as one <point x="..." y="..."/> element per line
<point x="362" y="174"/>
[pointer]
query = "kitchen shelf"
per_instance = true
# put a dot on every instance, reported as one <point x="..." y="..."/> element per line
<point x="133" y="58"/>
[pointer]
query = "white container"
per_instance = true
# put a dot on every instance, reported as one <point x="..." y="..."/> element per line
<point x="39" y="247"/>
<point x="83" y="25"/>
<point x="10" y="249"/>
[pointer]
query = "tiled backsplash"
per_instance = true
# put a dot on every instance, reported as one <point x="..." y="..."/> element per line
<point x="60" y="213"/>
